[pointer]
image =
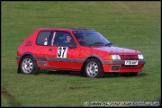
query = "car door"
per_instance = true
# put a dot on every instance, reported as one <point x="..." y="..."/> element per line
<point x="51" y="54"/>
<point x="63" y="55"/>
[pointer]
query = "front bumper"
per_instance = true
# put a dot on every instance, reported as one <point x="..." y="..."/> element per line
<point x="119" y="66"/>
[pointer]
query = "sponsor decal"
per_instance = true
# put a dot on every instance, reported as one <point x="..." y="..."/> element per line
<point x="42" y="63"/>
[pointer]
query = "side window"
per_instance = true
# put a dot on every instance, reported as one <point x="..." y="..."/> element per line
<point x="44" y="38"/>
<point x="63" y="39"/>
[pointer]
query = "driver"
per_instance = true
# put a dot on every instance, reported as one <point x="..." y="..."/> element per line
<point x="68" y="41"/>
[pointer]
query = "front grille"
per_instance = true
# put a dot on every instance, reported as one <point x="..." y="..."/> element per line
<point x="129" y="57"/>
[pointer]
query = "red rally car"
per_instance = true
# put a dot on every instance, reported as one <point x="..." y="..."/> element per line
<point x="76" y="49"/>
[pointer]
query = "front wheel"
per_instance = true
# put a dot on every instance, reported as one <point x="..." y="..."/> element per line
<point x="28" y="65"/>
<point x="93" y="68"/>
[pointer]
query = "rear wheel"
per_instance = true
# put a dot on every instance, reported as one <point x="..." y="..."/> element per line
<point x="93" y="68"/>
<point x="28" y="65"/>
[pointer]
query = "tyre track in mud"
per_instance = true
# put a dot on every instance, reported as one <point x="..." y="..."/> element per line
<point x="10" y="98"/>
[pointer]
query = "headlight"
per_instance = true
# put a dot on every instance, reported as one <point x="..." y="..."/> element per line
<point x="114" y="57"/>
<point x="140" y="56"/>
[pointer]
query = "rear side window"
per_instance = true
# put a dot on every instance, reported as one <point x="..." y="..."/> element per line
<point x="44" y="38"/>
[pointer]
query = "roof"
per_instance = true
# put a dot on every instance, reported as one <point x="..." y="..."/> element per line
<point x="72" y="29"/>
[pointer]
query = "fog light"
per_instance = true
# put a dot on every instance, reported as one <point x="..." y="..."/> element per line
<point x="115" y="68"/>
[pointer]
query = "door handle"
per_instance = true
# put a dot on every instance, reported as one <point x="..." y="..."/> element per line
<point x="50" y="49"/>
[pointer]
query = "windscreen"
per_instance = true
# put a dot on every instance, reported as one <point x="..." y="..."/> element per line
<point x="90" y="38"/>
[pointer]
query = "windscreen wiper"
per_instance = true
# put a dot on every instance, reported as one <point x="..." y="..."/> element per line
<point x="97" y="43"/>
<point x="108" y="44"/>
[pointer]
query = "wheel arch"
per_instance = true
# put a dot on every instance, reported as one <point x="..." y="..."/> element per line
<point x="90" y="57"/>
<point x="21" y="57"/>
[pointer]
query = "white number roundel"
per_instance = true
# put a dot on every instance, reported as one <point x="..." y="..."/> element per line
<point x="61" y="53"/>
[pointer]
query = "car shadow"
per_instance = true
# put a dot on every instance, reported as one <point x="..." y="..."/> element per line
<point x="78" y="73"/>
<point x="122" y="75"/>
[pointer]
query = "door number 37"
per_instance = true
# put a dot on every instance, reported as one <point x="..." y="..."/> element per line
<point x="62" y="52"/>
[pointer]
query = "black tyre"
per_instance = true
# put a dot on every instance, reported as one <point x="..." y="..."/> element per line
<point x="93" y="68"/>
<point x="28" y="65"/>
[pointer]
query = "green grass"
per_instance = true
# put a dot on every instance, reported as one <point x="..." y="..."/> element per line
<point x="134" y="25"/>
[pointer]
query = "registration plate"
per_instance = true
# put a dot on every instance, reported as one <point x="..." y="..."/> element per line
<point x="131" y="62"/>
